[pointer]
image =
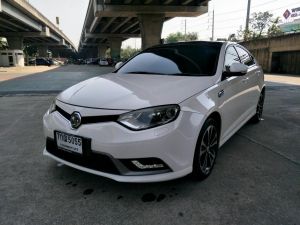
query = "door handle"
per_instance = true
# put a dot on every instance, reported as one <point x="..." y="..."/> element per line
<point x="245" y="80"/>
<point x="221" y="93"/>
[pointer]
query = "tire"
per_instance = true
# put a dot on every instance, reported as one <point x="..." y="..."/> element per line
<point x="206" y="150"/>
<point x="259" y="108"/>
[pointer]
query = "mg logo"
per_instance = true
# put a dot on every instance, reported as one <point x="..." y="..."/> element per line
<point x="75" y="120"/>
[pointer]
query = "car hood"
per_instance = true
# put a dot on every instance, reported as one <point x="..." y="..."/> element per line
<point x="134" y="91"/>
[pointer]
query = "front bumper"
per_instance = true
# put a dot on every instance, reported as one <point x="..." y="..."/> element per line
<point x="173" y="143"/>
<point x="127" y="179"/>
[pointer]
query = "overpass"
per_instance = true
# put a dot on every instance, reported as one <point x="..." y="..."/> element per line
<point x="109" y="22"/>
<point x="22" y="24"/>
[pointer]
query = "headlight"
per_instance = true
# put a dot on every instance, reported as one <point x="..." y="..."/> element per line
<point x="149" y="117"/>
<point x="52" y="107"/>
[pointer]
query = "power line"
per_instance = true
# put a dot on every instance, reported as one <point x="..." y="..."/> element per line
<point x="201" y="24"/>
<point x="254" y="6"/>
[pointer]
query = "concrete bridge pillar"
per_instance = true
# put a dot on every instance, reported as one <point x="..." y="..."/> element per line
<point x="43" y="51"/>
<point x="55" y="53"/>
<point x="102" y="51"/>
<point x="91" y="53"/>
<point x="15" y="42"/>
<point x="151" y="27"/>
<point x="115" y="48"/>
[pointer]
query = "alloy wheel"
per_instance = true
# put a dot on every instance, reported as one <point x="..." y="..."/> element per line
<point x="260" y="106"/>
<point x="208" y="149"/>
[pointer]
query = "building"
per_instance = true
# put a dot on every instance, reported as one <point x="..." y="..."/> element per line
<point x="279" y="54"/>
<point x="11" y="58"/>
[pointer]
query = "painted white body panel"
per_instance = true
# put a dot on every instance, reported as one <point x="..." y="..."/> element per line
<point x="175" y="142"/>
<point x="134" y="91"/>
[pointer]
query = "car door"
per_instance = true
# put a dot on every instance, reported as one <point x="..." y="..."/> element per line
<point x="231" y="97"/>
<point x="252" y="90"/>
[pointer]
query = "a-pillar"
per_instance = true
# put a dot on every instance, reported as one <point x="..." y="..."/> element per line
<point x="102" y="51"/>
<point x="151" y="27"/>
<point x="15" y="43"/>
<point x="115" y="48"/>
<point x="43" y="51"/>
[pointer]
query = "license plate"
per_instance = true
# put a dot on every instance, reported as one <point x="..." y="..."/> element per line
<point x="69" y="142"/>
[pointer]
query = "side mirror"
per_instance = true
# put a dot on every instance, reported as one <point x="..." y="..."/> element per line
<point x="118" y="65"/>
<point x="238" y="69"/>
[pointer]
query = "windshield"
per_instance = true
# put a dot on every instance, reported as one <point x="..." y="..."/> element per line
<point x="190" y="59"/>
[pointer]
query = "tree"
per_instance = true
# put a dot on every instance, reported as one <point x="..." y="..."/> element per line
<point x="128" y="52"/>
<point x="3" y="44"/>
<point x="274" y="29"/>
<point x="262" y="24"/>
<point x="30" y="50"/>
<point x="232" y="37"/>
<point x="193" y="36"/>
<point x="176" y="37"/>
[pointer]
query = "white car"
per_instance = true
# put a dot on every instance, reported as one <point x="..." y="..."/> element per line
<point x="160" y="116"/>
<point x="103" y="62"/>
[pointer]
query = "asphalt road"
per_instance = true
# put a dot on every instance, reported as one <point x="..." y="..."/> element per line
<point x="51" y="81"/>
<point x="256" y="179"/>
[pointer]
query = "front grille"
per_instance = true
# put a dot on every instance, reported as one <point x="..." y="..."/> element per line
<point x="91" y="160"/>
<point x="89" y="119"/>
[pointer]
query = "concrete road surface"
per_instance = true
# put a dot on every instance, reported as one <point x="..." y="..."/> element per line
<point x="256" y="179"/>
<point x="45" y="81"/>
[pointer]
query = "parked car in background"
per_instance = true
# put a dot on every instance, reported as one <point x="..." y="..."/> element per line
<point x="92" y="61"/>
<point x="159" y="116"/>
<point x="110" y="61"/>
<point x="79" y="61"/>
<point x="103" y="62"/>
<point x="53" y="62"/>
<point x="40" y="62"/>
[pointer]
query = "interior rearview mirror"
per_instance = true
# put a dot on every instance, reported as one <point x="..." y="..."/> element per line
<point x="118" y="65"/>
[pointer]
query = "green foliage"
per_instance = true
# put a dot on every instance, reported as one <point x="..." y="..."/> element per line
<point x="3" y="44"/>
<point x="176" y="37"/>
<point x="274" y="29"/>
<point x="232" y="37"/>
<point x="30" y="50"/>
<point x="261" y="24"/>
<point x="128" y="52"/>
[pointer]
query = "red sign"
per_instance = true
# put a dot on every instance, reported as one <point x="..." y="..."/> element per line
<point x="287" y="14"/>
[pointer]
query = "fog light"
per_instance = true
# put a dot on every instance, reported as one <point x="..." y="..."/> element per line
<point x="143" y="167"/>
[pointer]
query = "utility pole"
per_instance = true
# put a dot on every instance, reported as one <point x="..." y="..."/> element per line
<point x="248" y="15"/>
<point x="185" y="29"/>
<point x="213" y="26"/>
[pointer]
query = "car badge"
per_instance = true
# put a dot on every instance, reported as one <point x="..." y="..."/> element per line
<point x="75" y="120"/>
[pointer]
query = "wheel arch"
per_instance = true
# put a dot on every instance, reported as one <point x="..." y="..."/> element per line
<point x="217" y="117"/>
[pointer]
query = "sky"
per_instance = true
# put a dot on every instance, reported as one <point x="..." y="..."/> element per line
<point x="229" y="16"/>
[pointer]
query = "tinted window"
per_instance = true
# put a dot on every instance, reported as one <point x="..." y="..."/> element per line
<point x="230" y="57"/>
<point x="245" y="57"/>
<point x="182" y="59"/>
